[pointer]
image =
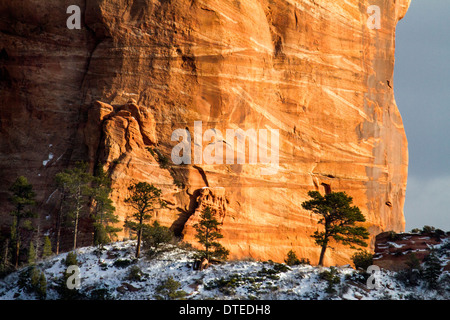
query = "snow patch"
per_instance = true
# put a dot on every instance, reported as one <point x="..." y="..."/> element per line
<point x="396" y="245"/>
<point x="104" y="269"/>
<point x="50" y="157"/>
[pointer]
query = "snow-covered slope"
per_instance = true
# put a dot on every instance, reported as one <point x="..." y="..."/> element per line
<point x="106" y="274"/>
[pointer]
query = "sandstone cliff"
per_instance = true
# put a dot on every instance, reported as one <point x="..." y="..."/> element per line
<point x="115" y="90"/>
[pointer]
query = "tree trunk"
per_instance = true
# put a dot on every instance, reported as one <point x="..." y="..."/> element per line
<point x="139" y="235"/>
<point x="17" y="241"/>
<point x="17" y="249"/>
<point x="37" y="240"/>
<point x="58" y="221"/>
<point x="207" y="245"/>
<point x="58" y="232"/>
<point x="75" y="231"/>
<point x="5" y="256"/>
<point x="138" y="246"/>
<point x="77" y="215"/>
<point x="322" y="254"/>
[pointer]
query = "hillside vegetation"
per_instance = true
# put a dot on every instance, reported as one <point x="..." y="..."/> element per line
<point x="113" y="272"/>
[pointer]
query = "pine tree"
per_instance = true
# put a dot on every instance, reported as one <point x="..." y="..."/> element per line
<point x="292" y="260"/>
<point x="414" y="270"/>
<point x="71" y="259"/>
<point x="23" y="199"/>
<point x="144" y="199"/>
<point x="14" y="239"/>
<point x="34" y="277"/>
<point x="62" y="288"/>
<point x="31" y="254"/>
<point x="168" y="290"/>
<point x="153" y="237"/>
<point x="47" y="250"/>
<point x="103" y="209"/>
<point x="208" y="232"/>
<point x="332" y="278"/>
<point x="74" y="187"/>
<point x="38" y="240"/>
<point x="63" y="189"/>
<point x="42" y="286"/>
<point x="432" y="270"/>
<point x="38" y="283"/>
<point x="362" y="259"/>
<point x="5" y="255"/>
<point x="338" y="218"/>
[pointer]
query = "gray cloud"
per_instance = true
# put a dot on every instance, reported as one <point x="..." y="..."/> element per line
<point x="422" y="91"/>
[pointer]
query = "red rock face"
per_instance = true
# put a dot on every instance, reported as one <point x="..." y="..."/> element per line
<point x="393" y="251"/>
<point x="115" y="91"/>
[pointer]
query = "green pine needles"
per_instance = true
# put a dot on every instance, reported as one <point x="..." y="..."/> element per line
<point x="144" y="199"/>
<point x="338" y="218"/>
<point x="23" y="199"/>
<point x="208" y="232"/>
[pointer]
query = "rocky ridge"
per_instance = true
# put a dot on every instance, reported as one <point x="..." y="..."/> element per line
<point x="393" y="251"/>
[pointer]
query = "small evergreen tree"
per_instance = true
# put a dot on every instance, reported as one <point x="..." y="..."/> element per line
<point x="38" y="283"/>
<point x="71" y="259"/>
<point x="144" y="199"/>
<point x="432" y="270"/>
<point x="338" y="218"/>
<point x="428" y="229"/>
<point x="23" y="199"/>
<point x="14" y="243"/>
<point x="208" y="232"/>
<point x="5" y="261"/>
<point x="63" y="290"/>
<point x="154" y="237"/>
<point x="103" y="209"/>
<point x="42" y="286"/>
<point x="63" y="188"/>
<point x="332" y="278"/>
<point x="413" y="273"/>
<point x="168" y="290"/>
<point x="135" y="273"/>
<point x="74" y="186"/>
<point x="32" y="280"/>
<point x="47" y="249"/>
<point x="31" y="254"/>
<point x="292" y="260"/>
<point x="362" y="259"/>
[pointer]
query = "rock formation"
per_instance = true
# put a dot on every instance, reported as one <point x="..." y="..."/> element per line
<point x="115" y="90"/>
<point x="393" y="250"/>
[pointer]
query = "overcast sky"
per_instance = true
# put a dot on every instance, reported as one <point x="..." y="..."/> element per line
<point x="422" y="92"/>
